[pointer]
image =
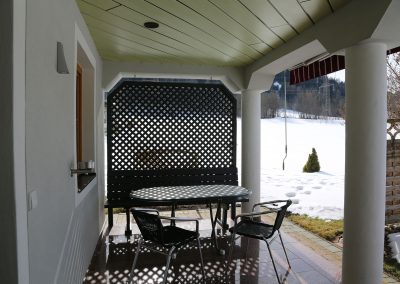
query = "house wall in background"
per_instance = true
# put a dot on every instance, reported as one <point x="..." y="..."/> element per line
<point x="392" y="212"/>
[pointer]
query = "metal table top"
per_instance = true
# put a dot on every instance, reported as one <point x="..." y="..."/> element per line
<point x="191" y="194"/>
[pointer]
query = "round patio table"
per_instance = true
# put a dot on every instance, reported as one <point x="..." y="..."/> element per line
<point x="194" y="194"/>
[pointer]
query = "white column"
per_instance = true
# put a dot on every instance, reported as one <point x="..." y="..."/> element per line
<point x="365" y="174"/>
<point x="251" y="116"/>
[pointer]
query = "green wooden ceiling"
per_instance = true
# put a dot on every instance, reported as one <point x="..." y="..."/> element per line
<point x="202" y="32"/>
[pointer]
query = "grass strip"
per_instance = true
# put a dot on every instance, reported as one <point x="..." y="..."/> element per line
<point x="331" y="230"/>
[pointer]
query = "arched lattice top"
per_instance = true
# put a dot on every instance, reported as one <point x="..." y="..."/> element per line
<point x="168" y="125"/>
<point x="393" y="129"/>
<point x="169" y="133"/>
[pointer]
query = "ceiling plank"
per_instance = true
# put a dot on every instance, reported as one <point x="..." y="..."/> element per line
<point x="124" y="54"/>
<point x="111" y="39"/>
<point x="270" y="16"/>
<point x="218" y="19"/>
<point x="103" y="4"/>
<point x="261" y="47"/>
<point x="316" y="9"/>
<point x="144" y="53"/>
<point x="286" y="32"/>
<point x="141" y="54"/>
<point x="337" y="4"/>
<point x="293" y="13"/>
<point x="265" y="12"/>
<point x="126" y="49"/>
<point x="248" y="20"/>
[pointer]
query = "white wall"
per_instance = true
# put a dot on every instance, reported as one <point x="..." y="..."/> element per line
<point x="62" y="233"/>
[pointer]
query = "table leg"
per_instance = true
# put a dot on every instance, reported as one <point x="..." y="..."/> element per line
<point x="128" y="231"/>
<point x="233" y="211"/>
<point x="213" y="225"/>
<point x="225" y="218"/>
<point x="173" y="214"/>
<point x="110" y="217"/>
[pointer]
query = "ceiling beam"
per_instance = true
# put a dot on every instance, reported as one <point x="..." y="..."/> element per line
<point x="232" y="77"/>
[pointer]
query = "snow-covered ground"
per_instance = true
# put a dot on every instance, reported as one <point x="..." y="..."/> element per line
<point x="315" y="194"/>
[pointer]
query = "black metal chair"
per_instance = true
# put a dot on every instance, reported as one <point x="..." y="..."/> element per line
<point x="169" y="237"/>
<point x="248" y="227"/>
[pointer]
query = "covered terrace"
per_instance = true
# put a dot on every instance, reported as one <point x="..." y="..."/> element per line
<point x="50" y="227"/>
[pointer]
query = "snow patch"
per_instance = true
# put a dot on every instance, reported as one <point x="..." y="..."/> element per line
<point x="394" y="243"/>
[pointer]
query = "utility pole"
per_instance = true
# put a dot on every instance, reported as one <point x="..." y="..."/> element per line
<point x="326" y="96"/>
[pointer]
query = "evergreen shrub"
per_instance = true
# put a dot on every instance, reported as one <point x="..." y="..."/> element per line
<point x="312" y="164"/>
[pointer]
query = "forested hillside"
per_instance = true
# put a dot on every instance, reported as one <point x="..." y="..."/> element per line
<point x="317" y="98"/>
<point x="325" y="96"/>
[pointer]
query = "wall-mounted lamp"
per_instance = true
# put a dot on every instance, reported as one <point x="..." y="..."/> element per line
<point x="62" y="67"/>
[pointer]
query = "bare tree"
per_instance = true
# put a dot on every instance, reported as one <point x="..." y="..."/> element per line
<point x="393" y="95"/>
<point x="270" y="104"/>
<point x="308" y="104"/>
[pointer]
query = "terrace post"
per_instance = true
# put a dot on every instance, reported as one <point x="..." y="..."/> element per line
<point x="365" y="166"/>
<point x="251" y="116"/>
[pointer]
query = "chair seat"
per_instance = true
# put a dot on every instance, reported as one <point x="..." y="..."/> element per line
<point x="175" y="236"/>
<point x="252" y="229"/>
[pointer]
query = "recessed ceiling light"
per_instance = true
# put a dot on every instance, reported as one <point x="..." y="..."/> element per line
<point x="151" y="25"/>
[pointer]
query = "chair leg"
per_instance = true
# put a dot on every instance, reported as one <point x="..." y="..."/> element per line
<point x="231" y="246"/>
<point x="171" y="251"/>
<point x="229" y="259"/>
<point x="247" y="250"/>
<point x="135" y="260"/>
<point x="201" y="259"/>
<point x="284" y="249"/>
<point x="273" y="262"/>
<point x="128" y="231"/>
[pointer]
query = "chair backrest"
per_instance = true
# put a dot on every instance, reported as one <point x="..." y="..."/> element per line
<point x="280" y="214"/>
<point x="150" y="225"/>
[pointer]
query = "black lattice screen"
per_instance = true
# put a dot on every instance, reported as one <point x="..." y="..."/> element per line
<point x="169" y="133"/>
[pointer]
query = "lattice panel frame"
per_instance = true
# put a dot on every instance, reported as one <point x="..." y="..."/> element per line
<point x="170" y="129"/>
